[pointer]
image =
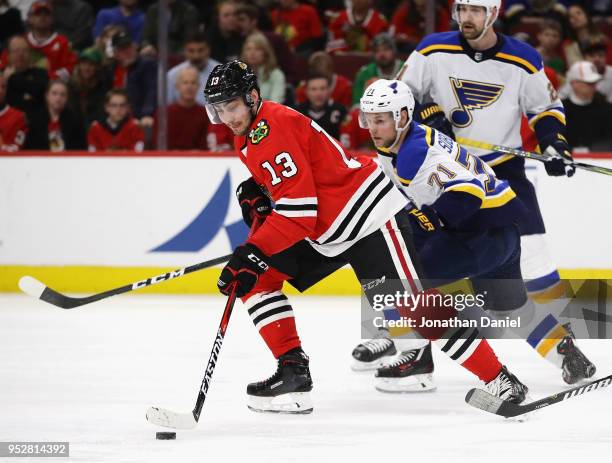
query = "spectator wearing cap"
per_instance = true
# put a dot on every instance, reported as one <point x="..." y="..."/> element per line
<point x="321" y="62"/>
<point x="74" y="19"/>
<point x="54" y="49"/>
<point x="10" y="21"/>
<point x="55" y="127"/>
<point x="320" y="107"/>
<point x="88" y="86"/>
<point x="187" y="120"/>
<point x="355" y="27"/>
<point x="27" y="83"/>
<point x="183" y="18"/>
<point x="137" y="75"/>
<point x="299" y="24"/>
<point x="223" y="34"/>
<point x="588" y="114"/>
<point x="386" y="65"/>
<point x="408" y="22"/>
<point x="247" y="17"/>
<point x="197" y="55"/>
<point x="126" y="14"/>
<point x="118" y="131"/>
<point x="13" y="125"/>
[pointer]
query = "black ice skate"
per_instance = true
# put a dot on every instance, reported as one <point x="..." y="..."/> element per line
<point x="411" y="371"/>
<point x="374" y="353"/>
<point x="506" y="386"/>
<point x="575" y="364"/>
<point x="287" y="390"/>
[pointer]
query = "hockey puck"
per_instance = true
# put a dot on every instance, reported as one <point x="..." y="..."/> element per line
<point x="165" y="435"/>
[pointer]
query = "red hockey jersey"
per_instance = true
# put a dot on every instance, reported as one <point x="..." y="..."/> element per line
<point x="126" y="136"/>
<point x="56" y="50"/>
<point x="13" y="129"/>
<point x="319" y="192"/>
<point x="348" y="35"/>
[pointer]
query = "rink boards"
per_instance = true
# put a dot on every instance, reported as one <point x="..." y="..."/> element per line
<point x="88" y="223"/>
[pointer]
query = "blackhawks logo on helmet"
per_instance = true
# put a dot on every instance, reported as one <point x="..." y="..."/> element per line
<point x="261" y="131"/>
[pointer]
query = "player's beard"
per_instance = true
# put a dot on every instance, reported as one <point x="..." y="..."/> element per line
<point x="472" y="31"/>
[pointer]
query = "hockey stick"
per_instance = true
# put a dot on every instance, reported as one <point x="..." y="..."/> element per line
<point x="530" y="155"/>
<point x="492" y="404"/>
<point x="35" y="288"/>
<point x="170" y="419"/>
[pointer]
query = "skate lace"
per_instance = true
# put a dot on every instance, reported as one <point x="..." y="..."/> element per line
<point x="377" y="345"/>
<point x="501" y="387"/>
<point x="404" y="357"/>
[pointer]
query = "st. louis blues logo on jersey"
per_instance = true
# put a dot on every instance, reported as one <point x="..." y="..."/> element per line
<point x="472" y="95"/>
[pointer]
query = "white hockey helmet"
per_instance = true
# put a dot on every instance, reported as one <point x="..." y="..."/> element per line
<point x="487" y="4"/>
<point x="385" y="96"/>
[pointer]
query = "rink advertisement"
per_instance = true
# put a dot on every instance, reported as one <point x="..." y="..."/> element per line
<point x="87" y="223"/>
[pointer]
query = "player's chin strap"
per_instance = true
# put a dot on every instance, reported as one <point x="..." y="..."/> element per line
<point x="400" y="131"/>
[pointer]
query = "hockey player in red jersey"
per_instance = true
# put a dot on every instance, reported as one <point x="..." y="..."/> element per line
<point x="13" y="125"/>
<point x="330" y="210"/>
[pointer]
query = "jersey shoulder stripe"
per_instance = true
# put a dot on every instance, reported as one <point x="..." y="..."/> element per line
<point x="413" y="152"/>
<point x="440" y="42"/>
<point x="519" y="54"/>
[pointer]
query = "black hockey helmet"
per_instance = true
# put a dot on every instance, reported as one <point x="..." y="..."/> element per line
<point x="228" y="81"/>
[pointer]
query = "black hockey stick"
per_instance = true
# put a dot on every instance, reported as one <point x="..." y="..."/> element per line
<point x="492" y="404"/>
<point x="531" y="155"/>
<point x="170" y="419"/>
<point x="39" y="290"/>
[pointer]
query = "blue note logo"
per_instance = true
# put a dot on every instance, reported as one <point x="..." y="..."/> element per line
<point x="472" y="95"/>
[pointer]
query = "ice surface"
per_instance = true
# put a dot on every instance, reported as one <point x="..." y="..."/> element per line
<point x="88" y="375"/>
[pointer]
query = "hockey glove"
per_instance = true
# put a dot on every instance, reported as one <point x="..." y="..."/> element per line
<point x="425" y="219"/>
<point x="253" y="202"/>
<point x="558" y="147"/>
<point x="432" y="115"/>
<point x="243" y="269"/>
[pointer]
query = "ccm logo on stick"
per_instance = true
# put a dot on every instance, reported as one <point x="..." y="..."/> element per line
<point x="158" y="279"/>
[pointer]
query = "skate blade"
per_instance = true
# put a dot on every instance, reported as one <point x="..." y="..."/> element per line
<point x="294" y="403"/>
<point x="415" y="383"/>
<point x="370" y="366"/>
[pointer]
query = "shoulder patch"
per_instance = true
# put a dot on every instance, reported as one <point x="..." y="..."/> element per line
<point x="261" y="131"/>
<point x="520" y="54"/>
<point x="444" y="42"/>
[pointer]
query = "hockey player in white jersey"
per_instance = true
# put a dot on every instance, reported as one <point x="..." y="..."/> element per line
<point x="471" y="229"/>
<point x="480" y="83"/>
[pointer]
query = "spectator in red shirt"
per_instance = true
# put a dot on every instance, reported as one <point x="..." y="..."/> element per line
<point x="341" y="88"/>
<point x="408" y="22"/>
<point x="187" y="120"/>
<point x="299" y="24"/>
<point x="355" y="27"/>
<point x="119" y="131"/>
<point x="55" y="127"/>
<point x="53" y="48"/>
<point x="13" y="126"/>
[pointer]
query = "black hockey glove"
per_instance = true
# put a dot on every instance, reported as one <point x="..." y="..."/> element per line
<point x="243" y="269"/>
<point x="432" y="115"/>
<point x="253" y="202"/>
<point x="426" y="219"/>
<point x="558" y="147"/>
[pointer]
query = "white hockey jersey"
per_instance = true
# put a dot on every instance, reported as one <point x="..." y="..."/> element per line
<point x="483" y="94"/>
<point x="429" y="165"/>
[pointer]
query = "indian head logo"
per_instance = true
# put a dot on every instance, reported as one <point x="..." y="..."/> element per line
<point x="471" y="95"/>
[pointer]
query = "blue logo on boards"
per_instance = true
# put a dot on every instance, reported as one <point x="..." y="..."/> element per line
<point x="207" y="224"/>
<point x="471" y="95"/>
